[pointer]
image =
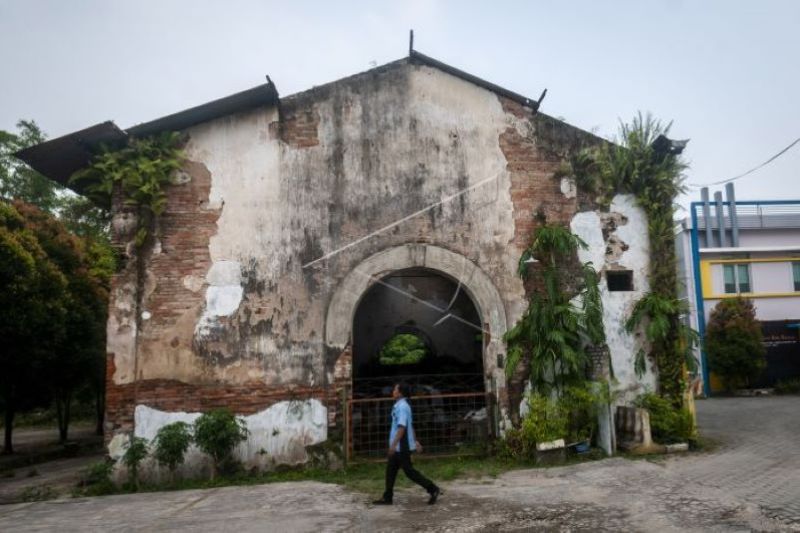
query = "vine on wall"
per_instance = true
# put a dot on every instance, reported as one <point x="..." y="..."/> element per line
<point x="655" y="177"/>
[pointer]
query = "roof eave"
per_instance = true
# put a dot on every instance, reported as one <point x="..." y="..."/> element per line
<point x="418" y="57"/>
<point x="262" y="95"/>
<point x="59" y="158"/>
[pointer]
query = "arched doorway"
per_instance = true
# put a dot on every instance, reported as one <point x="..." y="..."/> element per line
<point x="419" y="326"/>
<point x="445" y="421"/>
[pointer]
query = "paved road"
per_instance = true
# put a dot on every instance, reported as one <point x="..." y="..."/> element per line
<point x="751" y="482"/>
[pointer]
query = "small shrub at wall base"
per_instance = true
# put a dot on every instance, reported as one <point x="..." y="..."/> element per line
<point x="217" y="433"/>
<point x="571" y="416"/>
<point x="96" y="479"/>
<point x="668" y="424"/>
<point x="134" y="455"/>
<point x="171" y="443"/>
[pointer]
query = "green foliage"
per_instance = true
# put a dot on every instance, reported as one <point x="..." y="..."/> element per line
<point x="33" y="307"/>
<point x="571" y="416"/>
<point x="592" y="306"/>
<point x="403" y="349"/>
<point x="733" y="342"/>
<point x="581" y="405"/>
<point x="633" y="165"/>
<point x="140" y="171"/>
<point x="96" y="480"/>
<point x="171" y="443"/>
<point x="550" y="337"/>
<point x="788" y="386"/>
<point x="550" y="244"/>
<point x="17" y="180"/>
<point x="668" y="424"/>
<point x="545" y="421"/>
<point x="80" y="344"/>
<point x="133" y="457"/>
<point x="656" y="314"/>
<point x="99" y="472"/>
<point x="38" y="493"/>
<point x="20" y="182"/>
<point x="76" y="329"/>
<point x="216" y="433"/>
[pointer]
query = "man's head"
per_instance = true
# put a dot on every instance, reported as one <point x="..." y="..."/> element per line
<point x="401" y="390"/>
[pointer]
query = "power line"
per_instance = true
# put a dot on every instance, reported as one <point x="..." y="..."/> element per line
<point x="765" y="163"/>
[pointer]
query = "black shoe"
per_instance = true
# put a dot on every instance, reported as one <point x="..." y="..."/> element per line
<point x="382" y="502"/>
<point x="434" y="495"/>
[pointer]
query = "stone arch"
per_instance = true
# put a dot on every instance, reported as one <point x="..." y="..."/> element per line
<point x="477" y="284"/>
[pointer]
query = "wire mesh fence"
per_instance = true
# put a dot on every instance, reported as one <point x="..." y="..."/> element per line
<point x="420" y="384"/>
<point x="443" y="423"/>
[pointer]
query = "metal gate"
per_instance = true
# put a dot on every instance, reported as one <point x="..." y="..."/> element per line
<point x="445" y="424"/>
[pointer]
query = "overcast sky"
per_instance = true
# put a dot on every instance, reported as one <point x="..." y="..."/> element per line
<point x="726" y="72"/>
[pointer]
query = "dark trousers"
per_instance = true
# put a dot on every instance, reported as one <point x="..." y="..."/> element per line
<point x="402" y="460"/>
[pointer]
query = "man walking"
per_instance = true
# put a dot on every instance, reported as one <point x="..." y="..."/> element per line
<point x="401" y="445"/>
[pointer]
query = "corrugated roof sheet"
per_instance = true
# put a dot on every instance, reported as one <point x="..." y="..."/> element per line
<point x="265" y="94"/>
<point x="59" y="158"/>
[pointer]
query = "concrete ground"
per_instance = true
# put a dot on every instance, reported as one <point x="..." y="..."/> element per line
<point x="751" y="482"/>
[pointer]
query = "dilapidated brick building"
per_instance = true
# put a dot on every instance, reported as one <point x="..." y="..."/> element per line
<point x="413" y="178"/>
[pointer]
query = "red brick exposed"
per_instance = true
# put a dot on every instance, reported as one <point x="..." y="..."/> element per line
<point x="299" y="126"/>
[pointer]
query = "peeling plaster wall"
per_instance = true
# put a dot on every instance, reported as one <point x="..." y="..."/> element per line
<point x="278" y="207"/>
<point x="617" y="239"/>
<point x="388" y="144"/>
<point x="278" y="435"/>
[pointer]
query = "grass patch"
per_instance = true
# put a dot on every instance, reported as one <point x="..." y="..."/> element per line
<point x="789" y="386"/>
<point x="704" y="444"/>
<point x="366" y="478"/>
<point x="38" y="494"/>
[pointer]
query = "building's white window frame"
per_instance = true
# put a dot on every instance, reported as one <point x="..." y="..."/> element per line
<point x="740" y="280"/>
<point x="796" y="275"/>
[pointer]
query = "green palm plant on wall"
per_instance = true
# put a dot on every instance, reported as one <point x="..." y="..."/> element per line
<point x="140" y="171"/>
<point x="551" y="336"/>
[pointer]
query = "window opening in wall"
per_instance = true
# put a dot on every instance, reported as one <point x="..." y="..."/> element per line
<point x="796" y="275"/>
<point x="619" y="280"/>
<point x="736" y="278"/>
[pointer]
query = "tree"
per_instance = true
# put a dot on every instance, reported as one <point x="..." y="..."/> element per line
<point x="31" y="316"/>
<point x="70" y="363"/>
<point x="91" y="224"/>
<point x="18" y="180"/>
<point x="52" y="314"/>
<point x="733" y="342"/>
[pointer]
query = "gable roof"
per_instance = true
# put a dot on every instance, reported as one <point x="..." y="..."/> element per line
<point x="59" y="158"/>
<point x="417" y="57"/>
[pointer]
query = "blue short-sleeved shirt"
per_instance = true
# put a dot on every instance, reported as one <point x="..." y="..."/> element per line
<point x="401" y="416"/>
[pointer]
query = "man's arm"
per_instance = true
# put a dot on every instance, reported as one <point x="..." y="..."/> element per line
<point x="401" y="431"/>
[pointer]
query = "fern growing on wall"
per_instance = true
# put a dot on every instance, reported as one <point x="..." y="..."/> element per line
<point x="552" y="335"/>
<point x="140" y="171"/>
